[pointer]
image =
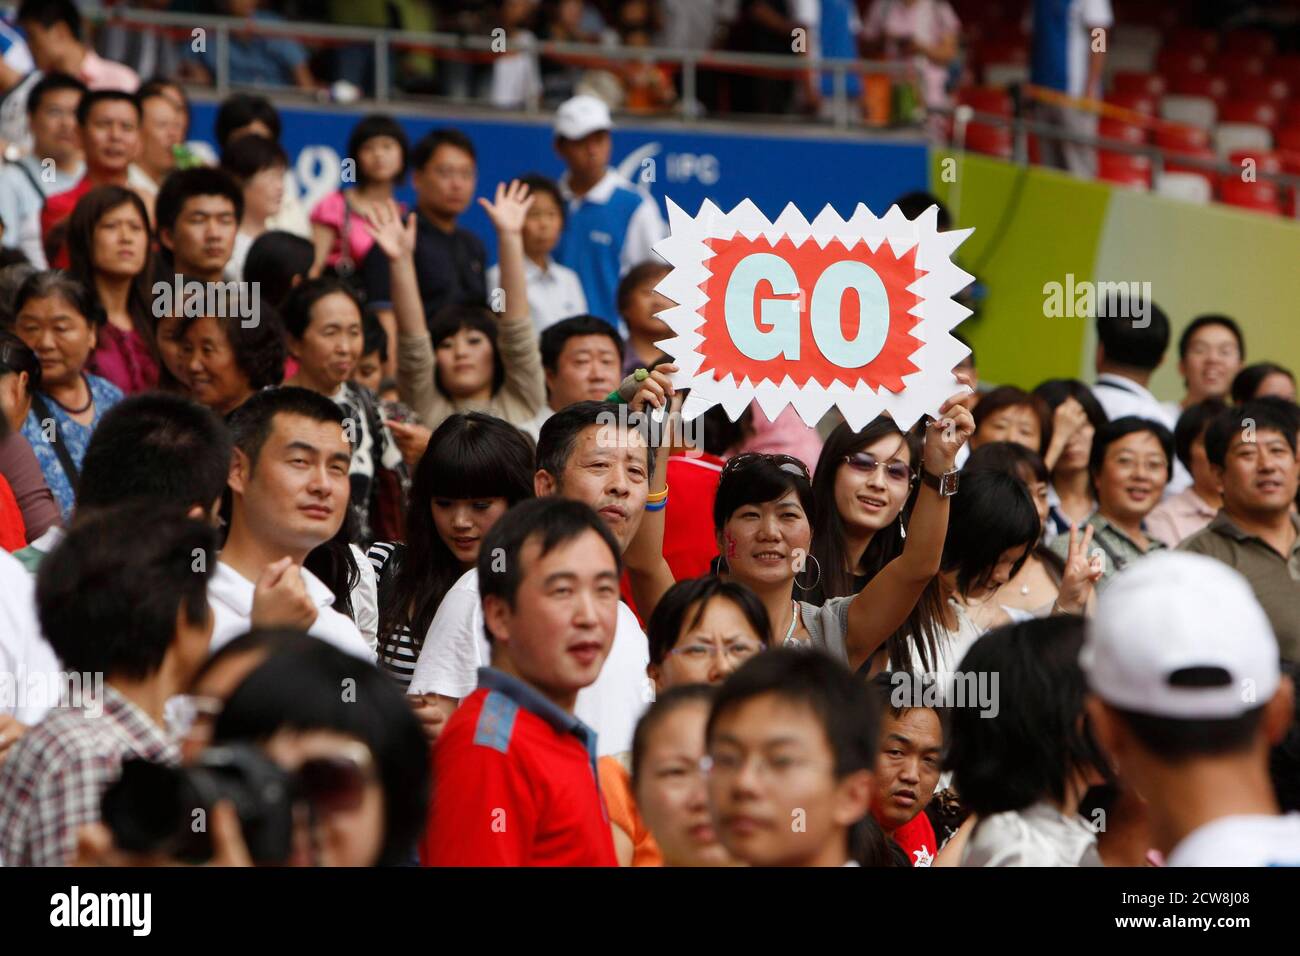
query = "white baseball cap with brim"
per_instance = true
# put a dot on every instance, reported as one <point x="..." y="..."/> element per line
<point x="581" y="116"/>
<point x="1181" y="636"/>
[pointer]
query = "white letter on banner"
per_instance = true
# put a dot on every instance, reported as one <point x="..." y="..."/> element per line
<point x="873" y="307"/>
<point x="782" y="315"/>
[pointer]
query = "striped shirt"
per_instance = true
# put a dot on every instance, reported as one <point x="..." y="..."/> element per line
<point x="398" y="652"/>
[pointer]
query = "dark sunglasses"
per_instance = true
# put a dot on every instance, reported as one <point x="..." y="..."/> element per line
<point x="333" y="784"/>
<point x="787" y="463"/>
<point x="868" y="463"/>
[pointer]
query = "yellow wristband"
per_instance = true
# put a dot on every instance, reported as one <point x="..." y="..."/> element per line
<point x="658" y="496"/>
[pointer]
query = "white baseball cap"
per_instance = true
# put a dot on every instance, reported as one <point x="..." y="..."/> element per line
<point x="581" y="116"/>
<point x="1181" y="635"/>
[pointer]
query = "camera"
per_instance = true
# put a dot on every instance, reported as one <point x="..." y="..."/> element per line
<point x="155" y="808"/>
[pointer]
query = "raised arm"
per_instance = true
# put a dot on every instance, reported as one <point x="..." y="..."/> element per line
<point x="888" y="598"/>
<point x="648" y="572"/>
<point x="524" y="389"/>
<point x="415" y="360"/>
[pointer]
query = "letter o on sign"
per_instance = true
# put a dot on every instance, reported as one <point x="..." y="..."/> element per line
<point x="873" y="328"/>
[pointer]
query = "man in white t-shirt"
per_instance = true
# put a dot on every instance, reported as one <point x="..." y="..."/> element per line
<point x="28" y="665"/>
<point x="582" y="458"/>
<point x="1187" y="697"/>
<point x="289" y="494"/>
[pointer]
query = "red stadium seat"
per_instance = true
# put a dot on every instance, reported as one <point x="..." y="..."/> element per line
<point x="1185" y="39"/>
<point x="1260" y="112"/>
<point x="985" y="99"/>
<point x="989" y="139"/>
<point x="1210" y="85"/>
<point x="1291" y="114"/>
<point x="1137" y="83"/>
<point x="1174" y="62"/>
<point x="1254" y="42"/>
<point x="1001" y="49"/>
<point x="1265" y="162"/>
<point x="1124" y="169"/>
<point x="1137" y="102"/>
<point x="1109" y="128"/>
<point x="1288" y="137"/>
<point x="1273" y="88"/>
<point x="1237" y="65"/>
<point x="1260" y="196"/>
<point x="1286" y="68"/>
<point x="1184" y="139"/>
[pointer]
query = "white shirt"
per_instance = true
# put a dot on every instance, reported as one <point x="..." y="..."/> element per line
<point x="231" y="596"/>
<point x="29" y="668"/>
<point x="554" y="292"/>
<point x="1120" y="396"/>
<point x="456" y="647"/>
<point x="1259" y="840"/>
<point x="534" y="425"/>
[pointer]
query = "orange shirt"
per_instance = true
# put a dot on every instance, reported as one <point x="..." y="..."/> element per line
<point x="616" y="785"/>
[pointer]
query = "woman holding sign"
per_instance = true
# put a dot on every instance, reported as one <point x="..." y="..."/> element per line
<point x="763" y="516"/>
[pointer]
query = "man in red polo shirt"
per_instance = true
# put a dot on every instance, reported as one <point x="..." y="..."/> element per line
<point x="108" y="125"/>
<point x="907" y="770"/>
<point x="514" y="770"/>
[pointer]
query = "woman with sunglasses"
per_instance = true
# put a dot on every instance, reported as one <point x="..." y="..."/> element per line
<point x="763" y="516"/>
<point x="701" y="630"/>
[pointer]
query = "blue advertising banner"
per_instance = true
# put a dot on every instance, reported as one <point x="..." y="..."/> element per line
<point x="686" y="165"/>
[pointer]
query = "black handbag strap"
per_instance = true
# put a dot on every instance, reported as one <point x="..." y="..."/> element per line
<point x="60" y="447"/>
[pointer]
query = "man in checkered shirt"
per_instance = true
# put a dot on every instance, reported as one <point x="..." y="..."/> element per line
<point x="122" y="599"/>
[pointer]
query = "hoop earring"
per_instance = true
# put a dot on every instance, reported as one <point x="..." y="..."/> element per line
<point x="813" y="559"/>
<point x="902" y="528"/>
<point x="722" y="566"/>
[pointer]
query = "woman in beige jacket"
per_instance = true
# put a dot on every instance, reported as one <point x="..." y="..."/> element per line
<point x="474" y="360"/>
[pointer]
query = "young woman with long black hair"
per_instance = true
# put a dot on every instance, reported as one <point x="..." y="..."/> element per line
<point x="475" y="468"/>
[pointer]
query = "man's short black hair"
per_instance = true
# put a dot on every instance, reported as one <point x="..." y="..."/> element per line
<point x="1040" y="738"/>
<point x="1174" y="740"/>
<point x="1124" y="341"/>
<point x="46" y="13"/>
<point x="550" y="521"/>
<point x="555" y="337"/>
<point x="559" y="434"/>
<point x="109" y="593"/>
<point x="1192" y="424"/>
<point x="1112" y="432"/>
<point x="447" y="136"/>
<point x="181" y="185"/>
<point x="841" y="702"/>
<point x="914" y="203"/>
<point x="1200" y="322"/>
<point x="250" y="423"/>
<point x="249" y="155"/>
<point x="238" y="110"/>
<point x="1260" y="415"/>
<point x="92" y="98"/>
<point x="52" y="83"/>
<point x="159" y="448"/>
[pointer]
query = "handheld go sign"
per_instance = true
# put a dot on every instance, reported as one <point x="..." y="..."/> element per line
<point x="855" y="313"/>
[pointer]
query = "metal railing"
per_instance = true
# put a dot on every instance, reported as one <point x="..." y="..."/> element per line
<point x="388" y="44"/>
<point x="1022" y="126"/>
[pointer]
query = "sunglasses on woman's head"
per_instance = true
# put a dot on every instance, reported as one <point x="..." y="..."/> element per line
<point x="786" y="463"/>
<point x="335" y="783"/>
<point x="866" y="462"/>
